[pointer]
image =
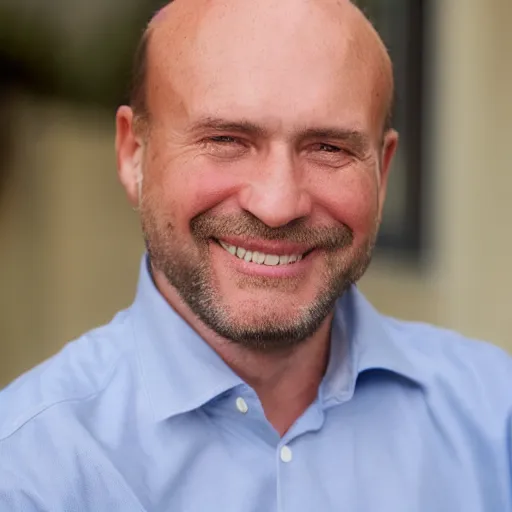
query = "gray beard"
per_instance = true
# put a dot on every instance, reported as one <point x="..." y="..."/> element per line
<point x="192" y="277"/>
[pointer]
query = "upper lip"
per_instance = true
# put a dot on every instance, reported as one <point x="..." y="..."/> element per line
<point x="277" y="247"/>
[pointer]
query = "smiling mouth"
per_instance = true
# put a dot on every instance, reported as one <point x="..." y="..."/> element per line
<point x="261" y="258"/>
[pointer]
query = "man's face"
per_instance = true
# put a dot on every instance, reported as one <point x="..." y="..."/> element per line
<point x="264" y="176"/>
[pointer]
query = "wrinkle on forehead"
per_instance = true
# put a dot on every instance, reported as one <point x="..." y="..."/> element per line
<point x="184" y="24"/>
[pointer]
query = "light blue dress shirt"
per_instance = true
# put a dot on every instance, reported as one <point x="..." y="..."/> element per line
<point x="141" y="415"/>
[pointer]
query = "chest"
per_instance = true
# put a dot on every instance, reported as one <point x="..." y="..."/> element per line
<point x="394" y="463"/>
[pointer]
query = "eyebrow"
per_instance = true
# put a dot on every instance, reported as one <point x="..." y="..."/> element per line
<point x="357" y="140"/>
<point x="222" y="125"/>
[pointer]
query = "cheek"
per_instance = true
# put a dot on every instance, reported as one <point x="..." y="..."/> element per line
<point x="190" y="186"/>
<point x="353" y="200"/>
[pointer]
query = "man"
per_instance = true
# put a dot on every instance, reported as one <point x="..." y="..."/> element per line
<point x="250" y="374"/>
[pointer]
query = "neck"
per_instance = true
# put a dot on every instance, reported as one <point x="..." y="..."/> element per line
<point x="286" y="382"/>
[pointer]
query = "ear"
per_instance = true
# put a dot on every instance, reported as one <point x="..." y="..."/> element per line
<point x="129" y="153"/>
<point x="389" y="148"/>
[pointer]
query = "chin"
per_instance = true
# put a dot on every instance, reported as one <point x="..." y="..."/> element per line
<point x="269" y="303"/>
<point x="277" y="308"/>
<point x="270" y="329"/>
<point x="252" y="316"/>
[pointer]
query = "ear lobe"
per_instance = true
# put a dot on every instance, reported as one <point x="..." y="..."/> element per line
<point x="129" y="153"/>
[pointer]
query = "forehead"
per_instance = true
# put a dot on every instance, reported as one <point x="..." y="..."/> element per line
<point x="294" y="66"/>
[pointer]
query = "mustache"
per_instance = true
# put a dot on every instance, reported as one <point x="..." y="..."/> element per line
<point x="206" y="226"/>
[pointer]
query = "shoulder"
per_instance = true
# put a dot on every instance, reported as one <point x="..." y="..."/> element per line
<point x="50" y="452"/>
<point x="471" y="370"/>
<point x="81" y="370"/>
<point x="435" y="345"/>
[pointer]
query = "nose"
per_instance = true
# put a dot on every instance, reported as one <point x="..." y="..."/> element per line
<point x="276" y="194"/>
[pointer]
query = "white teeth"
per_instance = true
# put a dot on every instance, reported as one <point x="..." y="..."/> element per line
<point x="271" y="260"/>
<point x="261" y="258"/>
<point x="230" y="248"/>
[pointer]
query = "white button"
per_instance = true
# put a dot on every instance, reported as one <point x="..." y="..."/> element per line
<point x="286" y="454"/>
<point x="241" y="405"/>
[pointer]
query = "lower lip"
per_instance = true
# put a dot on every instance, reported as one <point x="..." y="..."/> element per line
<point x="254" y="269"/>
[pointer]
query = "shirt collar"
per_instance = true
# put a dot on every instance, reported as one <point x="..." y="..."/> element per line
<point x="181" y="372"/>
<point x="361" y="341"/>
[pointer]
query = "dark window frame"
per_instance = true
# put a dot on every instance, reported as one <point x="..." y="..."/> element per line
<point x="406" y="237"/>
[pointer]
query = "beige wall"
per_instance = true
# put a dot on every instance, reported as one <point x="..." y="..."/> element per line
<point x="467" y="282"/>
<point x="70" y="245"/>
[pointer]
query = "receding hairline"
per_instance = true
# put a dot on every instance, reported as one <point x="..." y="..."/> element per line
<point x="138" y="85"/>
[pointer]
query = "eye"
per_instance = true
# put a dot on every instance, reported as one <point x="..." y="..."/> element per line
<point x="225" y="146"/>
<point x="329" y="155"/>
<point x="328" y="148"/>
<point x="223" y="139"/>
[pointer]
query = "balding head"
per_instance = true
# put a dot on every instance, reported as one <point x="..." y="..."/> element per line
<point x="180" y="22"/>
<point x="265" y="143"/>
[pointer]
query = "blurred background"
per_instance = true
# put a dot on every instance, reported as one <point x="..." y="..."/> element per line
<point x="70" y="245"/>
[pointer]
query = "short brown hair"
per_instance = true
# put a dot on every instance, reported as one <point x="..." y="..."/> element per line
<point x="137" y="93"/>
